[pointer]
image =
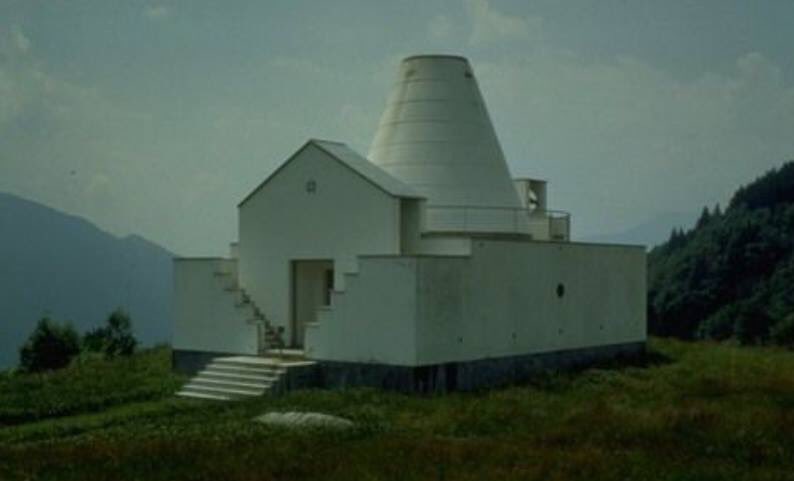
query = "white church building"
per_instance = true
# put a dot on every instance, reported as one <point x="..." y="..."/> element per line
<point x="422" y="266"/>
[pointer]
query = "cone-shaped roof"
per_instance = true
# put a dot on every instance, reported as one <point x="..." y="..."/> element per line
<point x="436" y="136"/>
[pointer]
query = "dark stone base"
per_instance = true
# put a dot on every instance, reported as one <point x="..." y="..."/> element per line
<point x="466" y="376"/>
<point x="436" y="378"/>
<point x="191" y="362"/>
<point x="299" y="377"/>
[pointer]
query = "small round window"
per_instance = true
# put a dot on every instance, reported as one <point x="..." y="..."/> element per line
<point x="560" y="290"/>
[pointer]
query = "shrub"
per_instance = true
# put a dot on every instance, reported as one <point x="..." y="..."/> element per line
<point x="752" y="324"/>
<point x="783" y="332"/>
<point x="88" y="385"/>
<point x="50" y="346"/>
<point x="113" y="339"/>
<point x="721" y="325"/>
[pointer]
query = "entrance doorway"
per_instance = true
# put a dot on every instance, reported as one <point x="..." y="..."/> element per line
<point x="312" y="282"/>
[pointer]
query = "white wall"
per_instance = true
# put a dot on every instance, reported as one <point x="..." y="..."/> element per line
<point x="374" y="320"/>
<point x="415" y="242"/>
<point x="206" y="317"/>
<point x="503" y="299"/>
<point x="346" y="216"/>
<point x="500" y="301"/>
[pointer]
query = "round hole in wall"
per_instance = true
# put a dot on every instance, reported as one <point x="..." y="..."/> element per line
<point x="560" y="289"/>
<point x="460" y="339"/>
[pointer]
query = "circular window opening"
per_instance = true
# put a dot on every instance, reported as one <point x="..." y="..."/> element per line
<point x="560" y="290"/>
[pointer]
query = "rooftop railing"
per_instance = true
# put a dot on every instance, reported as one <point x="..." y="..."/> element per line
<point x="540" y="224"/>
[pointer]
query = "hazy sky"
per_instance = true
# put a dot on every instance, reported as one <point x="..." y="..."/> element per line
<point x="156" y="118"/>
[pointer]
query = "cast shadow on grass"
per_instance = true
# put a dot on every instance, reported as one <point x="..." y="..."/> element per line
<point x="557" y="378"/>
<point x="649" y="357"/>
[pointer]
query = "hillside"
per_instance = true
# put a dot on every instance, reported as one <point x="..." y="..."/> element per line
<point x="66" y="267"/>
<point x="732" y="275"/>
<point x="700" y="411"/>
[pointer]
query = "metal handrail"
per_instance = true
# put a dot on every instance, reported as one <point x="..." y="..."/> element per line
<point x="492" y="207"/>
<point x="518" y="220"/>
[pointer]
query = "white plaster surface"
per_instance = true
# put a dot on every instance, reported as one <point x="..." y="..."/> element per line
<point x="500" y="301"/>
<point x="435" y="135"/>
<point x="373" y="320"/>
<point x="503" y="300"/>
<point x="346" y="215"/>
<point x="206" y="317"/>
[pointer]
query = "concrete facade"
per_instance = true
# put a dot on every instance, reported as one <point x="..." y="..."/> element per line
<point x="373" y="319"/>
<point x="512" y="297"/>
<point x="507" y="298"/>
<point x="207" y="317"/>
<point x="333" y="214"/>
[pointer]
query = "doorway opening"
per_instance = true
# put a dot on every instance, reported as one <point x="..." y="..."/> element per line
<point x="312" y="283"/>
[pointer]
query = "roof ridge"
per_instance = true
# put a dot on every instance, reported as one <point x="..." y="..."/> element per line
<point x="359" y="164"/>
<point x="326" y="141"/>
<point x="402" y="189"/>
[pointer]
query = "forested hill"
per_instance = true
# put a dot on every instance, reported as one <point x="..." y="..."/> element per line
<point x="732" y="275"/>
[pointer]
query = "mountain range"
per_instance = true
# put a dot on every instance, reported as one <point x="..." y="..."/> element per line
<point x="650" y="233"/>
<point x="64" y="267"/>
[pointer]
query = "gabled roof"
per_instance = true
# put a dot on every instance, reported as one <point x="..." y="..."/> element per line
<point x="355" y="162"/>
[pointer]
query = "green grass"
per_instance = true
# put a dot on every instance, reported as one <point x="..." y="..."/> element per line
<point x="88" y="385"/>
<point x="709" y="412"/>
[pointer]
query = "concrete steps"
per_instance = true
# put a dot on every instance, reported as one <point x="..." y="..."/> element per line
<point x="245" y="378"/>
<point x="237" y="377"/>
<point x="200" y="395"/>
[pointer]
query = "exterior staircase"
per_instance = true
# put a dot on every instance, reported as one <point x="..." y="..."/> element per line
<point x="239" y="377"/>
<point x="236" y="377"/>
<point x="269" y="337"/>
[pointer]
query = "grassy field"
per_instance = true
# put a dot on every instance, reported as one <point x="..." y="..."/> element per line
<point x="698" y="411"/>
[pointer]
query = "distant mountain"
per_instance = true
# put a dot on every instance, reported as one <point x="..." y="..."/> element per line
<point x="732" y="274"/>
<point x="650" y="233"/>
<point x="63" y="266"/>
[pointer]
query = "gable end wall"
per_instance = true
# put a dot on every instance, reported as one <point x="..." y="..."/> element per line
<point x="345" y="216"/>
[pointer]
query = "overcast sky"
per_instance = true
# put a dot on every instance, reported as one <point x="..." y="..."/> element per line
<point x="156" y="118"/>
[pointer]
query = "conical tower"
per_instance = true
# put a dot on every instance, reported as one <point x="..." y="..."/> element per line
<point x="436" y="136"/>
